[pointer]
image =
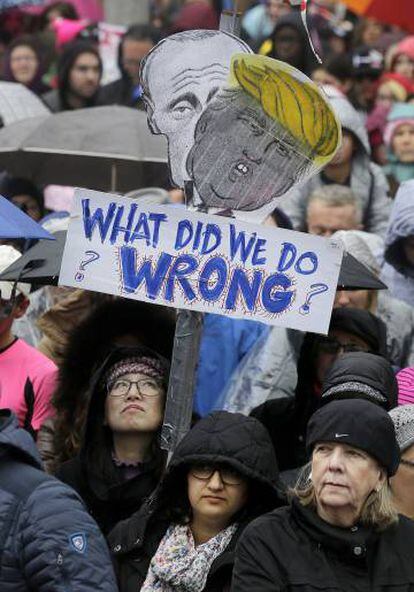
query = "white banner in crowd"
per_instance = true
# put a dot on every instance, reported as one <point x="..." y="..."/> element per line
<point x="168" y="255"/>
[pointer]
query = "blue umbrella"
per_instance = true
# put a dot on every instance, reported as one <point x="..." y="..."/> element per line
<point x="7" y="4"/>
<point x="16" y="224"/>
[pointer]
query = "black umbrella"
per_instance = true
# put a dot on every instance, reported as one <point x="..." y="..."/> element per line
<point x="106" y="148"/>
<point x="354" y="275"/>
<point x="40" y="264"/>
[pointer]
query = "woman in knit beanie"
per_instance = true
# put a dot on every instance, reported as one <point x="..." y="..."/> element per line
<point x="402" y="484"/>
<point x="120" y="460"/>
<point x="402" y="61"/>
<point x="399" y="140"/>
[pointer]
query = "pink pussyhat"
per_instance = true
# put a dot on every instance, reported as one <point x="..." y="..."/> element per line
<point x="405" y="379"/>
<point x="66" y="30"/>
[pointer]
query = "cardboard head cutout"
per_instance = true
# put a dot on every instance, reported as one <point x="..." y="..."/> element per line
<point x="180" y="75"/>
<point x="267" y="130"/>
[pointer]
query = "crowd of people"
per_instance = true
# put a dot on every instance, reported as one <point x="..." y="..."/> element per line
<point x="298" y="471"/>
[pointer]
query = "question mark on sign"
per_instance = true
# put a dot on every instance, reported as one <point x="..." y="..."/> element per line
<point x="90" y="257"/>
<point x="314" y="290"/>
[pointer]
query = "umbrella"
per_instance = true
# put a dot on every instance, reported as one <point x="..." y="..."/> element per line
<point x="40" y="264"/>
<point x="354" y="275"/>
<point x="102" y="148"/>
<point x="18" y="102"/>
<point x="7" y="4"/>
<point x="400" y="12"/>
<point x="16" y="224"/>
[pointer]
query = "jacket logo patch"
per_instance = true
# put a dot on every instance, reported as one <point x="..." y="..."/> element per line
<point x="78" y="542"/>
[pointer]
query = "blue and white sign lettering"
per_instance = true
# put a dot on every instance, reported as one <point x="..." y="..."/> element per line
<point x="168" y="255"/>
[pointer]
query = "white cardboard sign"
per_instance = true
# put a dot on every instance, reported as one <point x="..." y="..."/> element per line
<point x="169" y="255"/>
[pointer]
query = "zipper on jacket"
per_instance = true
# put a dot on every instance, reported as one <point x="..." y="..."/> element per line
<point x="59" y="563"/>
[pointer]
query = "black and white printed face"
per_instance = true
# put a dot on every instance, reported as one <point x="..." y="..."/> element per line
<point x="182" y="78"/>
<point x="242" y="159"/>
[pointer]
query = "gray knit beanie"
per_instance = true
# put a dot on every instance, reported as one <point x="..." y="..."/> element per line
<point x="403" y="418"/>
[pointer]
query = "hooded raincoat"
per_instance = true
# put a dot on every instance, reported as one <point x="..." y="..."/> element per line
<point x="397" y="273"/>
<point x="221" y="438"/>
<point x="367" y="180"/>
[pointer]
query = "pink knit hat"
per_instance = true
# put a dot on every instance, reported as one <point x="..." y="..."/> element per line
<point x="406" y="46"/>
<point x="66" y="30"/>
<point x="405" y="379"/>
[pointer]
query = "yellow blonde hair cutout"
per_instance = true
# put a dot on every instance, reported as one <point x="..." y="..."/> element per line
<point x="288" y="97"/>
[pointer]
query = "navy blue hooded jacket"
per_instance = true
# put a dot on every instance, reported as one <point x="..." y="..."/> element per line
<point x="48" y="541"/>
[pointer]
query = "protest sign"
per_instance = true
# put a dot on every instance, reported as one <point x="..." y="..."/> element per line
<point x="189" y="260"/>
<point x="242" y="129"/>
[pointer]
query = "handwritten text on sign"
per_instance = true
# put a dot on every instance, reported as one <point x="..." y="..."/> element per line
<point x="167" y="255"/>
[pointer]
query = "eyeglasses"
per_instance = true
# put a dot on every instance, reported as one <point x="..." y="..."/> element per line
<point x="330" y="345"/>
<point x="146" y="386"/>
<point x="407" y="463"/>
<point x="227" y="475"/>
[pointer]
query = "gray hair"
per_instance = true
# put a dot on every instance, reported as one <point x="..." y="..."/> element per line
<point x="378" y="510"/>
<point x="183" y="37"/>
<point x="336" y="196"/>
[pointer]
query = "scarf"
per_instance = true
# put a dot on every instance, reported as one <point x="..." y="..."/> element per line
<point x="180" y="566"/>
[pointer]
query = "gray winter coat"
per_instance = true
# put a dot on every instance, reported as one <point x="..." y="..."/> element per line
<point x="48" y="541"/>
<point x="267" y="372"/>
<point x="368" y="181"/>
<point x="399" y="318"/>
<point x="396" y="273"/>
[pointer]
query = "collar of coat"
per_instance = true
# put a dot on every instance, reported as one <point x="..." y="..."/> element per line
<point x="350" y="542"/>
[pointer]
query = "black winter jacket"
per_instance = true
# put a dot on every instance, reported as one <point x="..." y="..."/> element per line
<point x="222" y="437"/>
<point x="48" y="542"/>
<point x="293" y="550"/>
<point x="93" y="474"/>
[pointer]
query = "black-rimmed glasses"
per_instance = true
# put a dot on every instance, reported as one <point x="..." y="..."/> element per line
<point x="227" y="475"/>
<point x="148" y="387"/>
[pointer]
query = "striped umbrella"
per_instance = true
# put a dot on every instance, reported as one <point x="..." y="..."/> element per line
<point x="396" y="12"/>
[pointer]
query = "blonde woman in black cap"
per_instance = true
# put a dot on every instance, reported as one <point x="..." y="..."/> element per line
<point x="341" y="531"/>
<point x="402" y="484"/>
